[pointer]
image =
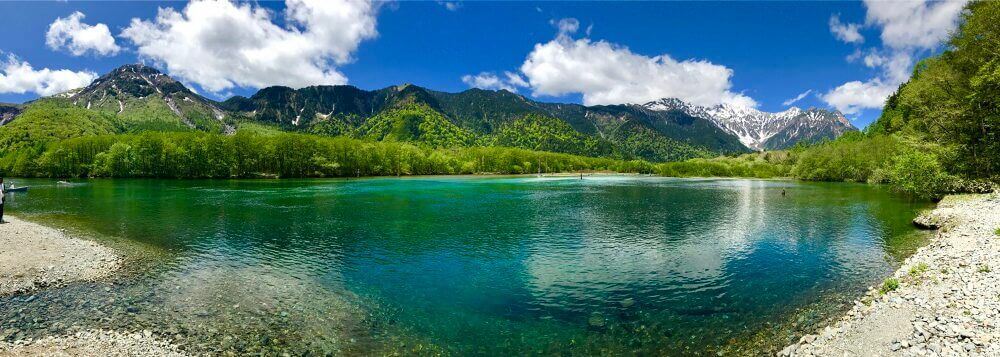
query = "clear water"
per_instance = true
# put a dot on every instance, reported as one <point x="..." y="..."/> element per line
<point x="468" y="266"/>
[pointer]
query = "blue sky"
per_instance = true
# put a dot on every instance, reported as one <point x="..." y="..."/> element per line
<point x="774" y="50"/>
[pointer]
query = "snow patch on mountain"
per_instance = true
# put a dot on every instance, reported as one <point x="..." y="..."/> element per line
<point x="755" y="128"/>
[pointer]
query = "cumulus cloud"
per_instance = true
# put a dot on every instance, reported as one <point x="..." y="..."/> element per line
<point x="17" y="76"/>
<point x="607" y="73"/>
<point x="852" y="97"/>
<point x="908" y="29"/>
<point x="914" y="24"/>
<point x="491" y="81"/>
<point x="450" y="5"/>
<point x="516" y="79"/>
<point x="79" y="38"/>
<point x="845" y="32"/>
<point x="797" y="98"/>
<point x="220" y="44"/>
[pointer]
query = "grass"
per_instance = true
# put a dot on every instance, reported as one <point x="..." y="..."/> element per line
<point x="890" y="284"/>
<point x="984" y="268"/>
<point x="918" y="269"/>
<point x="997" y="232"/>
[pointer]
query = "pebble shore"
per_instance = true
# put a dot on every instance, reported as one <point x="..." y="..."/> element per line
<point x="93" y="343"/>
<point x="33" y="256"/>
<point x="943" y="301"/>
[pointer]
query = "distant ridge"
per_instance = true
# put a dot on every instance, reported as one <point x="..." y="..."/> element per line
<point x="140" y="98"/>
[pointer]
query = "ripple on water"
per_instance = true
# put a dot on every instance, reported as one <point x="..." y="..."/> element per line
<point x="511" y="265"/>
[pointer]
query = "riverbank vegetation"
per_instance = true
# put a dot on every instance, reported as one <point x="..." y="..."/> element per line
<point x="249" y="154"/>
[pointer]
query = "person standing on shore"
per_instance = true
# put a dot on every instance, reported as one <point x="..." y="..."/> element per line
<point x="2" y="193"/>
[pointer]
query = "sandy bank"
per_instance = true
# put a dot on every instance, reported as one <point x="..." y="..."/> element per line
<point x="33" y="256"/>
<point x="92" y="343"/>
<point x="948" y="298"/>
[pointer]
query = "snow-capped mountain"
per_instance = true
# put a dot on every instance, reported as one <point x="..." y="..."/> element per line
<point x="760" y="130"/>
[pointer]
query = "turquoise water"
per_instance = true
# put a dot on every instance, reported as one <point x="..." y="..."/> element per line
<point x="468" y="265"/>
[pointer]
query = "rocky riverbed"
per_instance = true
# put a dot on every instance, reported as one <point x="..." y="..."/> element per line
<point x="93" y="343"/>
<point x="943" y="301"/>
<point x="33" y="256"/>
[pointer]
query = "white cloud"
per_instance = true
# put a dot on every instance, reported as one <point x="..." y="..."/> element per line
<point x="19" y="77"/>
<point x="491" y="81"/>
<point x="566" y="26"/>
<point x="607" y="73"/>
<point x="797" y="98"/>
<point x="908" y="29"/>
<point x="450" y="5"/>
<point x="845" y="32"/>
<point x="220" y="45"/>
<point x="79" y="38"/>
<point x="852" y="97"/>
<point x="874" y="59"/>
<point x="516" y="79"/>
<point x="914" y="24"/>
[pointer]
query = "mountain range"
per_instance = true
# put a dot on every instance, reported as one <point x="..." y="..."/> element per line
<point x="136" y="98"/>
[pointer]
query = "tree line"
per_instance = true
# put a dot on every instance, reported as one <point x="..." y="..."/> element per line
<point x="246" y="154"/>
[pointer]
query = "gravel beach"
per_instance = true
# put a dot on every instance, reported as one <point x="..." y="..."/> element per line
<point x="33" y="256"/>
<point x="93" y="343"/>
<point x="943" y="301"/>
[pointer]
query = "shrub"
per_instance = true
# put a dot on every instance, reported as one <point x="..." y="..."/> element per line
<point x="890" y="284"/>
<point x="919" y="174"/>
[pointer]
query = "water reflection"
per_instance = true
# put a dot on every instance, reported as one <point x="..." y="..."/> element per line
<point x="468" y="265"/>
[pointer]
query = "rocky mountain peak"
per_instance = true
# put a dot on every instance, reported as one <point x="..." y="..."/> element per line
<point x="756" y="128"/>
<point x="134" y="80"/>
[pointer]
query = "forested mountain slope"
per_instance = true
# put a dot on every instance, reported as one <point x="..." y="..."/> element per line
<point x="137" y="98"/>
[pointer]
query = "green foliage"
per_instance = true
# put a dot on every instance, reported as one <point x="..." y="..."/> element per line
<point x="997" y="232"/>
<point x="49" y="120"/>
<point x="918" y="174"/>
<point x="150" y="114"/>
<point x="890" y="284"/>
<point x="415" y="123"/>
<point x="954" y="99"/>
<point x="250" y="154"/>
<point x="910" y="168"/>
<point x="983" y="268"/>
<point x="918" y="270"/>
<point x="852" y="157"/>
<point x="638" y="141"/>
<point x="537" y="132"/>
<point x="764" y="165"/>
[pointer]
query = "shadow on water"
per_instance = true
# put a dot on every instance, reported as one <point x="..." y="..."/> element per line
<point x="500" y="265"/>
